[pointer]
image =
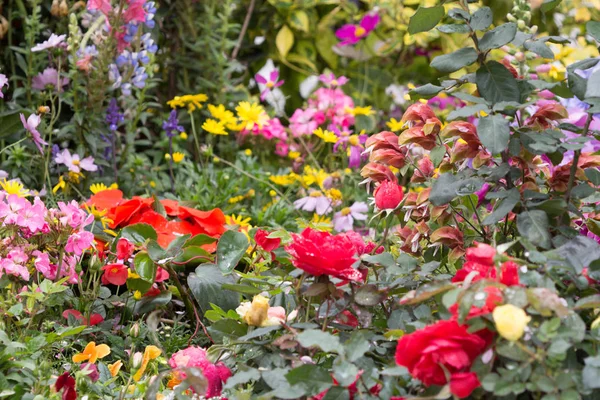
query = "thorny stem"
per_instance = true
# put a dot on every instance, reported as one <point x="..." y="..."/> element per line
<point x="576" y="160"/>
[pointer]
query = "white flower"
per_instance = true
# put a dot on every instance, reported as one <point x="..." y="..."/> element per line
<point x="53" y="41"/>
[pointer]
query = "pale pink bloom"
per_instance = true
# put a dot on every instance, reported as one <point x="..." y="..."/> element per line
<point x="74" y="163"/>
<point x="102" y="5"/>
<point x="73" y="215"/>
<point x="344" y="220"/>
<point x="331" y="81"/>
<point x="196" y="357"/>
<point x="31" y="124"/>
<point x="3" y="82"/>
<point x="315" y="202"/>
<point x="42" y="264"/>
<point x="78" y="242"/>
<point x="52" y="42"/>
<point x="48" y="78"/>
<point x="14" y="262"/>
<point x="84" y="63"/>
<point x="12" y="207"/>
<point x="302" y="122"/>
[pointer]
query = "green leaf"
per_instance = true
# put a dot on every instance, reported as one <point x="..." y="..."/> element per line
<point x="281" y="387"/>
<point x="10" y="123"/>
<point x="284" y="40"/>
<point x="534" y="226"/>
<point x="337" y="393"/>
<point x="455" y="61"/>
<point x="323" y="340"/>
<point x="144" y="266"/>
<point x="357" y="345"/>
<point x="495" y="83"/>
<point x="539" y="48"/>
<point x="425" y="91"/>
<point x="467" y="111"/>
<point x="593" y="85"/>
<point x="139" y="233"/>
<point x="591" y="372"/>
<point x="258" y="332"/>
<point x="592" y="301"/>
<point x="448" y="186"/>
<point x="324" y="42"/>
<point x="299" y="20"/>
<point x="368" y="295"/>
<point x="578" y="253"/>
<point x="593" y="29"/>
<point x="498" y="37"/>
<point x="231" y="248"/>
<point x="243" y="376"/>
<point x="246" y="289"/>
<point x="311" y="378"/>
<point x="206" y="286"/>
<point x="548" y="5"/>
<point x="425" y="19"/>
<point x="593" y="174"/>
<point x="454" y="28"/>
<point x="503" y="207"/>
<point x="482" y="19"/>
<point x="494" y="133"/>
<point x="199" y="240"/>
<point x="147" y="304"/>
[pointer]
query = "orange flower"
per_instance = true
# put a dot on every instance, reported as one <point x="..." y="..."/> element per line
<point x="150" y="353"/>
<point x="91" y="353"/>
<point x="115" y="367"/>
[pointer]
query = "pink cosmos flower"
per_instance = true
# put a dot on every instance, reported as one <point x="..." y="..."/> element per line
<point x="53" y="41"/>
<point x="135" y="11"/>
<point x="102" y="5"/>
<point x="268" y="84"/>
<point x="73" y="215"/>
<point x="302" y="122"/>
<point x="74" y="163"/>
<point x="31" y="124"/>
<point x="3" y="82"/>
<point x="78" y="242"/>
<point x="331" y="81"/>
<point x="315" y="201"/>
<point x="48" y="78"/>
<point x="352" y="34"/>
<point x="344" y="220"/>
<point x="196" y="357"/>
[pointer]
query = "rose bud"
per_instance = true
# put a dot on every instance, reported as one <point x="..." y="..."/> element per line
<point x="388" y="195"/>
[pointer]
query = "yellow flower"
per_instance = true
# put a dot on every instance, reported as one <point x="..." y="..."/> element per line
<point x="251" y="114"/>
<point x="222" y="114"/>
<point x="178" y="157"/>
<point x="311" y="175"/>
<point x="191" y="101"/>
<point x="150" y="353"/>
<point x="334" y="194"/>
<point x="167" y="156"/>
<point x="237" y="220"/>
<point x="132" y="275"/>
<point x="326" y="136"/>
<point x="91" y="353"/>
<point x="183" y="136"/>
<point x="284" y="180"/>
<point x="115" y="367"/>
<point x="14" y="187"/>
<point x="235" y="199"/>
<point x="98" y="187"/>
<point x="258" y="312"/>
<point x="248" y="152"/>
<point x="394" y="125"/>
<point x="362" y="111"/>
<point x="294" y="154"/>
<point x="137" y="295"/>
<point x="272" y="193"/>
<point x="510" y="321"/>
<point x="60" y="185"/>
<point x="101" y="215"/>
<point x="251" y="193"/>
<point x="214" y="127"/>
<point x="152" y="184"/>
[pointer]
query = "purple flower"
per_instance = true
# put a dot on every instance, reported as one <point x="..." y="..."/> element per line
<point x="92" y="371"/>
<point x="344" y="220"/>
<point x="31" y="125"/>
<point x="171" y="126"/>
<point x="315" y="201"/>
<point x="3" y="82"/>
<point x="331" y="81"/>
<point x="268" y="84"/>
<point x="352" y="34"/>
<point x="113" y="116"/>
<point x="353" y="144"/>
<point x="74" y="163"/>
<point x="49" y="77"/>
<point x="482" y="192"/>
<point x="52" y="42"/>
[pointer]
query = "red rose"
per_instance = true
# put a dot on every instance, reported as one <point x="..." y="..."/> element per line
<point x="482" y="253"/>
<point x="115" y="274"/>
<point x="493" y="298"/>
<point x="262" y="240"/>
<point x="124" y="249"/>
<point x="462" y="384"/>
<point x="444" y="346"/>
<point x="388" y="195"/>
<point x="321" y="253"/>
<point x="95" y="319"/>
<point x="509" y="274"/>
<point x="480" y="259"/>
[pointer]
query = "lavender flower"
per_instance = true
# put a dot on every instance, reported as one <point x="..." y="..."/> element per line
<point x="171" y="126"/>
<point x="48" y="78"/>
<point x="113" y="116"/>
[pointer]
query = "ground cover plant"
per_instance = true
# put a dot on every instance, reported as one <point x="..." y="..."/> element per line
<point x="318" y="199"/>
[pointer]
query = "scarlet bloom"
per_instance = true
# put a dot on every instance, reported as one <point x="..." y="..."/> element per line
<point x="480" y="259"/>
<point x="444" y="346"/>
<point x="94" y="319"/>
<point x="321" y="253"/>
<point x="388" y="195"/>
<point x="66" y="382"/>
<point x="124" y="249"/>
<point x="262" y="240"/>
<point x="115" y="274"/>
<point x="462" y="384"/>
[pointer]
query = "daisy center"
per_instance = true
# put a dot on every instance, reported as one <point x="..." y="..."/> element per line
<point x="346" y="211"/>
<point x="353" y="140"/>
<point x="334" y="82"/>
<point x="76" y="162"/>
<point x="316" y="193"/>
<point x="270" y="84"/>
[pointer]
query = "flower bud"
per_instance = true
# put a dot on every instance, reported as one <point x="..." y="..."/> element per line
<point x="391" y="157"/>
<point x="510" y="321"/>
<point x="258" y="312"/>
<point x="521" y="24"/>
<point x="388" y="195"/>
<point x="134" y="331"/>
<point x="377" y="172"/>
<point x="137" y="359"/>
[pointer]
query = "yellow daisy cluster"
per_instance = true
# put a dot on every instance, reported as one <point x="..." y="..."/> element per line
<point x="99" y="187"/>
<point x="360" y="111"/>
<point x="310" y="176"/>
<point x="326" y="136"/>
<point x="14" y="187"/>
<point x="193" y="102"/>
<point x="394" y="125"/>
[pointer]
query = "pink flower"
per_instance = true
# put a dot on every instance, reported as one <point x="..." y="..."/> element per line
<point x="73" y="215"/>
<point x="68" y="269"/>
<point x="268" y="84"/>
<point x="49" y="78"/>
<point x="316" y="202"/>
<point x="102" y="5"/>
<point x="282" y="149"/>
<point x="33" y="217"/>
<point x="14" y="264"/>
<point x="135" y="12"/>
<point x="302" y="122"/>
<point x="344" y="220"/>
<point x="11" y="208"/>
<point x="42" y="264"/>
<point x="3" y="82"/>
<point x="53" y="41"/>
<point x="195" y="357"/>
<point x="388" y="195"/>
<point x="331" y="81"/>
<point x="79" y="242"/>
<point x="352" y="34"/>
<point x="74" y="163"/>
<point x="31" y="125"/>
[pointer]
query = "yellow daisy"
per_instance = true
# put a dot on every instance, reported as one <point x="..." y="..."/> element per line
<point x="214" y="127"/>
<point x="326" y="136"/>
<point x="394" y="125"/>
<point x="178" y="157"/>
<point x="251" y="114"/>
<point x="14" y="187"/>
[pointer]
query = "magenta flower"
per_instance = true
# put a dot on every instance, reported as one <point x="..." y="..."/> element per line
<point x="196" y="357"/>
<point x="135" y="12"/>
<point x="31" y="124"/>
<point x="53" y="41"/>
<point x="268" y="84"/>
<point x="74" y="163"/>
<point x="48" y="78"/>
<point x="3" y="82"/>
<point x="344" y="220"/>
<point x="15" y="264"/>
<point x="78" y="242"/>
<point x="73" y="215"/>
<point x="352" y="34"/>
<point x="42" y="264"/>
<point x="102" y="5"/>
<point x="331" y="81"/>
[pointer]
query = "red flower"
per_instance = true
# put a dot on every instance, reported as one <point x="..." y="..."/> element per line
<point x="115" y="274"/>
<point x="462" y="384"/>
<point x="66" y="382"/>
<point x="494" y="297"/>
<point x="161" y="275"/>
<point x="262" y="240"/>
<point x="124" y="249"/>
<point x="481" y="260"/>
<point x="388" y="195"/>
<point x="321" y="253"/>
<point x="444" y="346"/>
<point x="94" y="319"/>
<point x="509" y="274"/>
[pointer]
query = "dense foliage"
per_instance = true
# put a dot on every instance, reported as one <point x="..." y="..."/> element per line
<point x="317" y="199"/>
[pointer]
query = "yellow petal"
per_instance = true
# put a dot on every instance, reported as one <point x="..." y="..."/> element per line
<point x="102" y="351"/>
<point x="80" y="357"/>
<point x="115" y="367"/>
<point x="153" y="352"/>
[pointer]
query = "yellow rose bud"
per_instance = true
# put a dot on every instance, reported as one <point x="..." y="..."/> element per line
<point x="258" y="311"/>
<point x="510" y="321"/>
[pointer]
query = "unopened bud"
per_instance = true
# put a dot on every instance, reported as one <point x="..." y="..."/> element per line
<point x="521" y="24"/>
<point x="137" y="359"/>
<point x="134" y="331"/>
<point x="43" y="109"/>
